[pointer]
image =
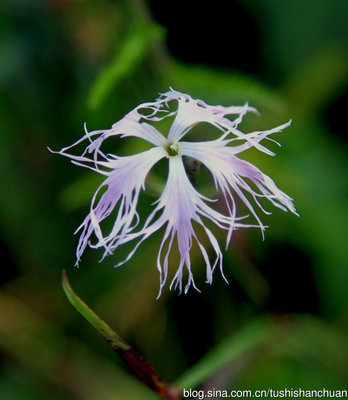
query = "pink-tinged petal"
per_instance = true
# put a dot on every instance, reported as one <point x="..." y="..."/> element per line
<point x="179" y="206"/>
<point x="130" y="125"/>
<point x="253" y="139"/>
<point x="180" y="209"/>
<point x="122" y="187"/>
<point x="230" y="174"/>
<point x="222" y="110"/>
<point x="191" y="111"/>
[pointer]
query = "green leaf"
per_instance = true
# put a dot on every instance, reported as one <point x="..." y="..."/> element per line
<point x="311" y="88"/>
<point x="305" y="351"/>
<point x="126" y="59"/>
<point x="80" y="192"/>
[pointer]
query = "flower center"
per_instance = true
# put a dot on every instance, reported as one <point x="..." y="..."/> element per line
<point x="172" y="149"/>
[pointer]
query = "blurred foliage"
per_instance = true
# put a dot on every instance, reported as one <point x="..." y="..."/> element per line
<point x="283" y="319"/>
<point x="127" y="58"/>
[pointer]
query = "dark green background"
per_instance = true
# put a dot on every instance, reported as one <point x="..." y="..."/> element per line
<point x="282" y="321"/>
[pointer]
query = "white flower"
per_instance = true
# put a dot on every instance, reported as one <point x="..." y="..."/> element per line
<point x="180" y="204"/>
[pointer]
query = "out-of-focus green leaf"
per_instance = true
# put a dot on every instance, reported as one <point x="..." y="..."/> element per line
<point x="319" y="187"/>
<point x="247" y="339"/>
<point x="306" y="352"/>
<point x="127" y="58"/>
<point x="314" y="85"/>
<point x="12" y="389"/>
<point x="79" y="192"/>
<point x="320" y="342"/>
<point x="294" y="32"/>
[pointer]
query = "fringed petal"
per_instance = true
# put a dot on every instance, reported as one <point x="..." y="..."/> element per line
<point x="232" y="175"/>
<point x="179" y="206"/>
<point x="191" y="112"/>
<point x="121" y="188"/>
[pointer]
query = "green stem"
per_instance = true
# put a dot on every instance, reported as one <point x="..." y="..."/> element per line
<point x="139" y="366"/>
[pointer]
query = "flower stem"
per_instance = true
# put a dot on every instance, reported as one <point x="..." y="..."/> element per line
<point x="138" y="365"/>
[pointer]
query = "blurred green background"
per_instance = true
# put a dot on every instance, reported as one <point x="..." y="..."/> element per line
<point x="283" y="319"/>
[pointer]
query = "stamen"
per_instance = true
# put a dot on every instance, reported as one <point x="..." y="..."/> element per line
<point x="172" y="149"/>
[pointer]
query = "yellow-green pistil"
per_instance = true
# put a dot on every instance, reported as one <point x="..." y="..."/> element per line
<point x="172" y="149"/>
